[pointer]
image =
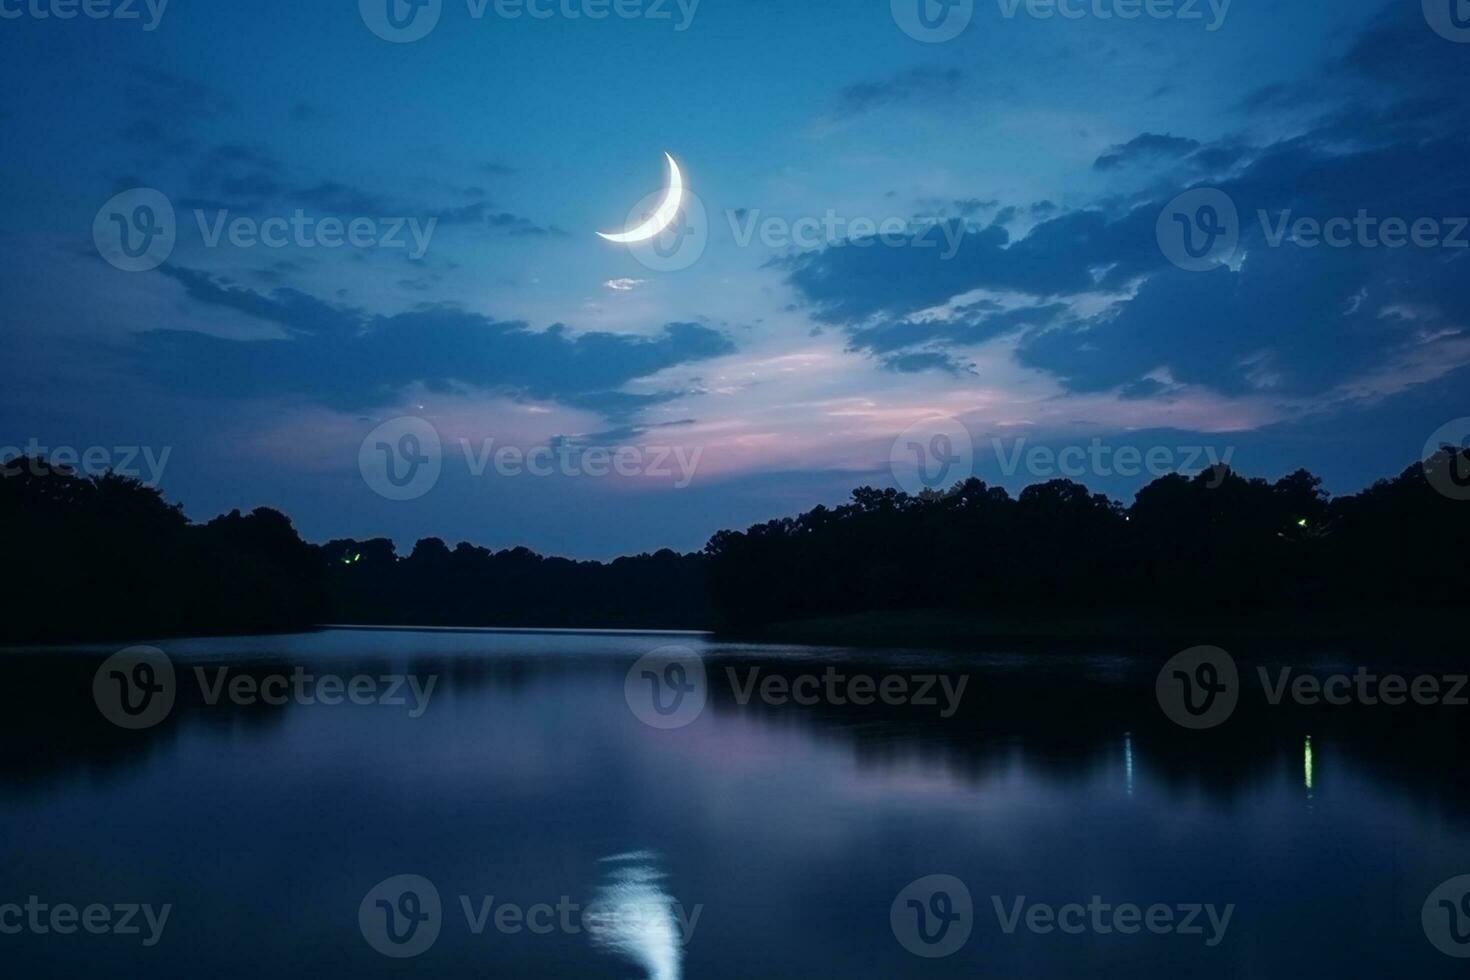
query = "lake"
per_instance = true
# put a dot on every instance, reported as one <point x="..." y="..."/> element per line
<point x="354" y="803"/>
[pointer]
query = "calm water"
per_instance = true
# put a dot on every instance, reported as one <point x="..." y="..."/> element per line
<point x="776" y="838"/>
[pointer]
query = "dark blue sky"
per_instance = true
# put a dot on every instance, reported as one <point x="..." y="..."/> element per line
<point x="890" y="226"/>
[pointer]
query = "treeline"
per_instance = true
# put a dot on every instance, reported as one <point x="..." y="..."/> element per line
<point x="1215" y="545"/>
<point x="107" y="558"/>
<point x="472" y="586"/>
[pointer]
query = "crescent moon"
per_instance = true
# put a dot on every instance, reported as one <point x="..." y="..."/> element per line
<point x="667" y="211"/>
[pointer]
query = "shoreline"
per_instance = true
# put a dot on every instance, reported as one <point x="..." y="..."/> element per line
<point x="943" y="629"/>
<point x="948" y="629"/>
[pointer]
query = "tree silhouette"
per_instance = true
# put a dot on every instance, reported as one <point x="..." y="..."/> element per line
<point x="107" y="557"/>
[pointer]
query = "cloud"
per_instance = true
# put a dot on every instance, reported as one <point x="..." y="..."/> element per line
<point x="619" y="435"/>
<point x="247" y="178"/>
<point x="169" y="108"/>
<point x="347" y="359"/>
<point x="854" y="281"/>
<point x="237" y="171"/>
<point x="174" y="97"/>
<point x="150" y="134"/>
<point x="337" y="198"/>
<point x="913" y="85"/>
<point x="624" y="285"/>
<point x="484" y="214"/>
<point x="972" y="324"/>
<point x="926" y="361"/>
<point x="970" y="206"/>
<point x="1146" y="147"/>
<point x="1096" y="305"/>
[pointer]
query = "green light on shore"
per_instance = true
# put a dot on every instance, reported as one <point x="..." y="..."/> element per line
<point x="1307" y="764"/>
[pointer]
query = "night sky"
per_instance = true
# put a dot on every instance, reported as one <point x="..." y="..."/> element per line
<point x="895" y="227"/>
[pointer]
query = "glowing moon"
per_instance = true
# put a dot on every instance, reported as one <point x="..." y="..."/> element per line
<point x="667" y="211"/>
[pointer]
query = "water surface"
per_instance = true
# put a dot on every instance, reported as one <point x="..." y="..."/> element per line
<point x="775" y="838"/>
